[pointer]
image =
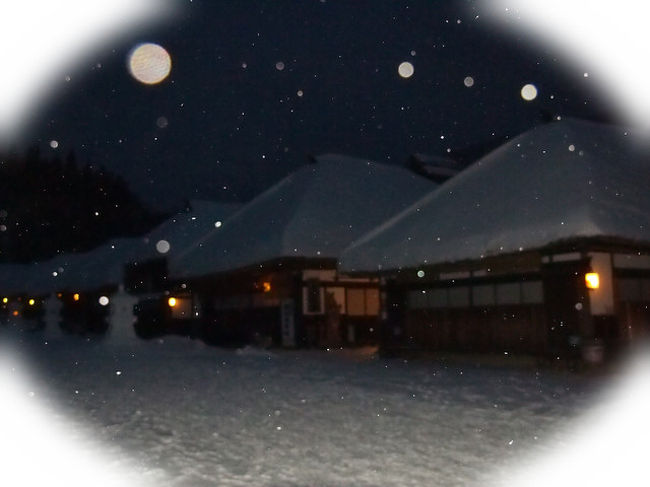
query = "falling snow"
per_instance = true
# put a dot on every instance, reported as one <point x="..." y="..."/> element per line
<point x="406" y="69"/>
<point x="529" y="92"/>
<point x="163" y="246"/>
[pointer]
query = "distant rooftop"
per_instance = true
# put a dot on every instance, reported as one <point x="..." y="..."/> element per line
<point x="314" y="212"/>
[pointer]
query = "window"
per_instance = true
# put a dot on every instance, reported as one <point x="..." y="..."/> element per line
<point x="363" y="302"/>
<point x="483" y="295"/>
<point x="372" y="302"/>
<point x="339" y="296"/>
<point x="417" y="299"/>
<point x="532" y="292"/>
<point x="313" y="298"/>
<point x="508" y="293"/>
<point x="459" y="297"/>
<point x="356" y="299"/>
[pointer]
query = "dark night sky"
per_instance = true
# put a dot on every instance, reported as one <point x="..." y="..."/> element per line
<point x="233" y="130"/>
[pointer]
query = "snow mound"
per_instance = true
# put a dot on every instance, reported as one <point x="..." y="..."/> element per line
<point x="40" y="447"/>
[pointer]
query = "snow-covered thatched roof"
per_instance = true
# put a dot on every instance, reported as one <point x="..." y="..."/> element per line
<point x="315" y="212"/>
<point x="183" y="229"/>
<point x="564" y="180"/>
<point x="104" y="265"/>
<point x="13" y="278"/>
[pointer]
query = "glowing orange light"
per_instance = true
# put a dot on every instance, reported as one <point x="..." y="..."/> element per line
<point x="31" y="302"/>
<point x="75" y="296"/>
<point x="266" y="286"/>
<point x="592" y="280"/>
<point x="58" y="295"/>
<point x="15" y="313"/>
<point x="171" y="302"/>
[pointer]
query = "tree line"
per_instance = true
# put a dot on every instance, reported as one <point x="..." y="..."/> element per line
<point x="53" y="206"/>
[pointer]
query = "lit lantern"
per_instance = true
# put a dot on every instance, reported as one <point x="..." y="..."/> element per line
<point x="31" y="302"/>
<point x="592" y="280"/>
<point x="5" y="300"/>
<point x="75" y="296"/>
<point x="266" y="286"/>
<point x="171" y="302"/>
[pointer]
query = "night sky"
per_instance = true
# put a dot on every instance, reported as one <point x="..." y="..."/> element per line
<point x="227" y="122"/>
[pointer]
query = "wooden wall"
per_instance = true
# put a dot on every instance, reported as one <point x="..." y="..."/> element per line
<point x="512" y="329"/>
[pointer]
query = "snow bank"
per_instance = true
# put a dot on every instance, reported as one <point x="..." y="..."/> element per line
<point x="41" y="447"/>
<point x="185" y="414"/>
<point x="608" y="446"/>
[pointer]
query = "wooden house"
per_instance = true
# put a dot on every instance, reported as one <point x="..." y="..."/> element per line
<point x="268" y="274"/>
<point x="541" y="247"/>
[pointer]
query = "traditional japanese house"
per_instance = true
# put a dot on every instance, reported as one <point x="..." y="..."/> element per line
<point x="269" y="274"/>
<point x="147" y="273"/>
<point x="541" y="247"/>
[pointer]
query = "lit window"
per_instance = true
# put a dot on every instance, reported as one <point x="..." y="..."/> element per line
<point x="592" y="280"/>
<point x="356" y="299"/>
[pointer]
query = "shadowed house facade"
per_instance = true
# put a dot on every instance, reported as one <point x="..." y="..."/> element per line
<point x="268" y="274"/>
<point x="541" y="247"/>
<point x="19" y="297"/>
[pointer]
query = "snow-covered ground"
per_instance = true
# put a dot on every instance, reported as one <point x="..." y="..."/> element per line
<point x="179" y="413"/>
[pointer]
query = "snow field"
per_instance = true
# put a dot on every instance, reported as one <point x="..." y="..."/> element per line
<point x="183" y="414"/>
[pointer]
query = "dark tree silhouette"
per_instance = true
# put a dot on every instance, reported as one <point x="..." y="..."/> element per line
<point x="50" y="206"/>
